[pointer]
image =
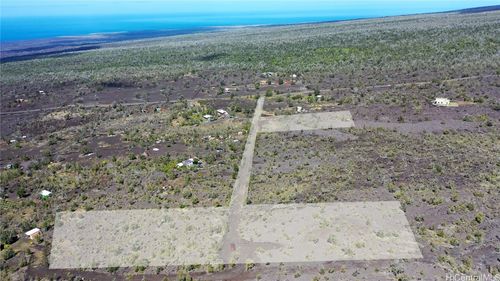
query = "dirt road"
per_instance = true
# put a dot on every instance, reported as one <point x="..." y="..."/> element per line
<point x="240" y="188"/>
<point x="381" y="86"/>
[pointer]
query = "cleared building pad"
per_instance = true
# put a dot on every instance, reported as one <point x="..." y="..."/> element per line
<point x="307" y="121"/>
<point x="267" y="233"/>
<point x="154" y="237"/>
<point x="325" y="232"/>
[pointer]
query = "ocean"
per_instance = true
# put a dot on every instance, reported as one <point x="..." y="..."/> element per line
<point x="20" y="27"/>
<point x="27" y="28"/>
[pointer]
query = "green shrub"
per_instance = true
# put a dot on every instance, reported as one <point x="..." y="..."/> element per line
<point x="8" y="253"/>
<point x="7" y="236"/>
<point x="479" y="217"/>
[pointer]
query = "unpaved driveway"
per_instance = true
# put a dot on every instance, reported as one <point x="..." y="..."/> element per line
<point x="240" y="189"/>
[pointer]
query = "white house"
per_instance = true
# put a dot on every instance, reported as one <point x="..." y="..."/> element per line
<point x="45" y="193"/>
<point x="222" y="112"/>
<point x="441" y="102"/>
<point x="208" y="117"/>
<point x="229" y="90"/>
<point x="189" y="163"/>
<point x="35" y="232"/>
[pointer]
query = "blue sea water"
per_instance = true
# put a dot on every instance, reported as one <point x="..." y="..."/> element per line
<point x="20" y="27"/>
<point x="25" y="28"/>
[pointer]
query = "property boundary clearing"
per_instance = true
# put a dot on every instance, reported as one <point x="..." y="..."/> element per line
<point x="241" y="233"/>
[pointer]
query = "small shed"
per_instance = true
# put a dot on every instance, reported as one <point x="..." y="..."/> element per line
<point x="189" y="163"/>
<point x="34" y="233"/>
<point x="222" y="112"/>
<point x="441" y="102"/>
<point x="45" y="194"/>
<point x="229" y="90"/>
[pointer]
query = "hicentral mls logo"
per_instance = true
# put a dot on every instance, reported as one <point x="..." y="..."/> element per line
<point x="472" y="277"/>
<point x="239" y="233"/>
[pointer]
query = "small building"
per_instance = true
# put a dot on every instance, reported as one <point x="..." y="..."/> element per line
<point x="189" y="163"/>
<point x="300" y="109"/>
<point x="208" y="138"/>
<point x="229" y="90"/>
<point x="441" y="102"/>
<point x="268" y="74"/>
<point x="45" y="194"/>
<point x="222" y="112"/>
<point x="263" y="83"/>
<point x="208" y="117"/>
<point x="319" y="97"/>
<point x="34" y="233"/>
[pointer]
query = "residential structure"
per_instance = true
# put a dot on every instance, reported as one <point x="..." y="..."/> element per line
<point x="34" y="233"/>
<point x="45" y="194"/>
<point x="441" y="102"/>
<point x="222" y="112"/>
<point x="189" y="163"/>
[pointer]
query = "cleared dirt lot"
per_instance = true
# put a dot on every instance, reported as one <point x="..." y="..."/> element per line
<point x="306" y="121"/>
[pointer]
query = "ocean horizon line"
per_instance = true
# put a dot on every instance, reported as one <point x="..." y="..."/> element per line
<point x="16" y="29"/>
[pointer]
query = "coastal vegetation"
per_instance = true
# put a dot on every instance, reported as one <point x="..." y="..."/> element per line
<point x="351" y="54"/>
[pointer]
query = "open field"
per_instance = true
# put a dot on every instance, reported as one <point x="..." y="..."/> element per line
<point x="311" y="121"/>
<point x="109" y="127"/>
<point x="288" y="233"/>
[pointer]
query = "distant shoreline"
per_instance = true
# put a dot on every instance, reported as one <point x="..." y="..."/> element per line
<point x="19" y="50"/>
<point x="35" y="48"/>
